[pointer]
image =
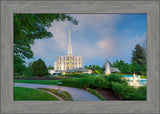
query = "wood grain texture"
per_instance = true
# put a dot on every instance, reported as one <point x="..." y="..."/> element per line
<point x="153" y="55"/>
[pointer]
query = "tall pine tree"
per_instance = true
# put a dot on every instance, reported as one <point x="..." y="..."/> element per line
<point x="139" y="55"/>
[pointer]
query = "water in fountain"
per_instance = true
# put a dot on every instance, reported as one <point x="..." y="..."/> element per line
<point x="108" y="69"/>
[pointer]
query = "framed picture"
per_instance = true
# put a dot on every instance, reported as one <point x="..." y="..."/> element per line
<point x="98" y="58"/>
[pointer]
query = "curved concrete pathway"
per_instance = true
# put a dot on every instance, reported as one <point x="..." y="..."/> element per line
<point x="77" y="94"/>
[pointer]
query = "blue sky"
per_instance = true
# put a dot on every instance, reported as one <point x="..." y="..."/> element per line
<point x="96" y="37"/>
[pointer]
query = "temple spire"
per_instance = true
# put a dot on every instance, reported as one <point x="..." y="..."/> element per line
<point x="69" y="37"/>
<point x="69" y="45"/>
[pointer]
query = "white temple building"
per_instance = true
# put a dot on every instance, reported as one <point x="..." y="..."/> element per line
<point x="69" y="61"/>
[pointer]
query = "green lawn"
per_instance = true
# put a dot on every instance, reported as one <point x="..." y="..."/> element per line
<point x="64" y="95"/>
<point x="66" y="82"/>
<point x="47" y="82"/>
<point x="22" y="93"/>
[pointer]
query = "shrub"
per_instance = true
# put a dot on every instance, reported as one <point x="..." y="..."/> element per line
<point x="114" y="78"/>
<point x="27" y="73"/>
<point x="124" y="91"/>
<point x="142" y="89"/>
<point x="71" y="83"/>
<point x="86" y="82"/>
<point x="94" y="92"/>
<point x="99" y="82"/>
<point x="79" y="75"/>
<point x="93" y="82"/>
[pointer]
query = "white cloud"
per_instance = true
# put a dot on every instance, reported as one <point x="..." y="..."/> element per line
<point x="107" y="46"/>
<point x="95" y="21"/>
<point x="105" y="41"/>
<point x="58" y="43"/>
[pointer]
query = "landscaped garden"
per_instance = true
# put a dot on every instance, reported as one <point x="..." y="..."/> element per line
<point x="113" y="82"/>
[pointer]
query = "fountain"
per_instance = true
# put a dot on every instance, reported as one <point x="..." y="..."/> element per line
<point x="135" y="81"/>
<point x="108" y="69"/>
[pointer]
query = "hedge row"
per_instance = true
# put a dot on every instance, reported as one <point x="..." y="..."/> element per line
<point x="94" y="82"/>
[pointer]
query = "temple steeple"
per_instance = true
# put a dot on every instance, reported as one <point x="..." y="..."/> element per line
<point x="69" y="45"/>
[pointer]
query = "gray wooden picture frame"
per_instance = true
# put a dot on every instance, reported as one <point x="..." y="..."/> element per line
<point x="151" y="105"/>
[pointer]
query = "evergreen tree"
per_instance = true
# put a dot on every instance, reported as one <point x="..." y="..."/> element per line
<point x="121" y="65"/>
<point x="115" y="64"/>
<point x="134" y="67"/>
<point x="39" y="68"/>
<point x="139" y="55"/>
<point x="50" y="67"/>
<point x="90" y="66"/>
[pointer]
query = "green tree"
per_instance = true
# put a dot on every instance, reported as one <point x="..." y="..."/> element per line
<point x="29" y="27"/>
<point x="19" y="65"/>
<point x="96" y="68"/>
<point x="143" y="69"/>
<point x="139" y="55"/>
<point x="39" y="68"/>
<point x="121" y="65"/>
<point x="86" y="67"/>
<point x="115" y="64"/>
<point x="90" y="66"/>
<point x="134" y="67"/>
<point x="50" y="67"/>
<point x="27" y="72"/>
<point x="96" y="72"/>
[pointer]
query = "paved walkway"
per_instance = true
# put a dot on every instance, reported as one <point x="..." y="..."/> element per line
<point x="77" y="94"/>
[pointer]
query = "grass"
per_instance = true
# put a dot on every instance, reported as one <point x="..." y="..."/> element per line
<point x="47" y="82"/>
<point x="22" y="93"/>
<point x="66" y="82"/>
<point x="64" y="95"/>
<point x="94" y="92"/>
